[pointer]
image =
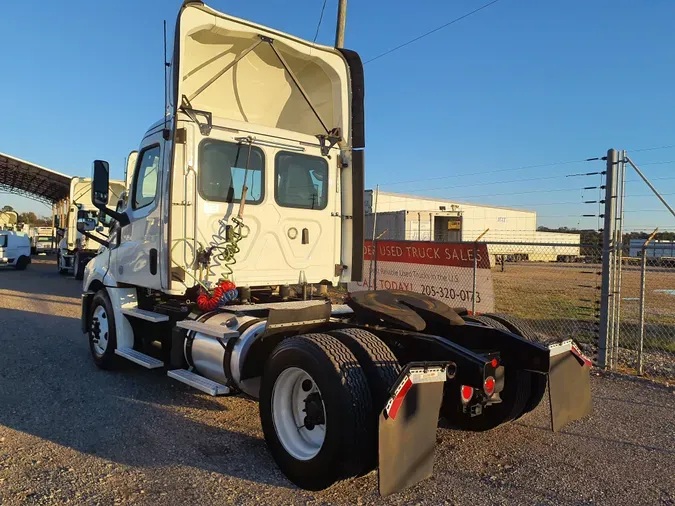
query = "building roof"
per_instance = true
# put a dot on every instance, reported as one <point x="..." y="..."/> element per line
<point x="33" y="181"/>
<point x="448" y="201"/>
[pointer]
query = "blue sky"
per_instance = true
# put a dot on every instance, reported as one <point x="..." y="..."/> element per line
<point x="521" y="83"/>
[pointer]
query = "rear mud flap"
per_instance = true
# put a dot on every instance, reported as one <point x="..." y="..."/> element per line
<point x="407" y="427"/>
<point x="569" y="385"/>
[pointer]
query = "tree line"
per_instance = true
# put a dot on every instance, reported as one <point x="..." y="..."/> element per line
<point x="31" y="218"/>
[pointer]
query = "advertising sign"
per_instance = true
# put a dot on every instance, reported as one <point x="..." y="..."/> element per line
<point x="443" y="271"/>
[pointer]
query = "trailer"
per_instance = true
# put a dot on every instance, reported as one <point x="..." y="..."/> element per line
<point x="247" y="194"/>
<point x="78" y="226"/>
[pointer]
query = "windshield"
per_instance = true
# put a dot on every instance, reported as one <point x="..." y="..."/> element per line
<point x="83" y="216"/>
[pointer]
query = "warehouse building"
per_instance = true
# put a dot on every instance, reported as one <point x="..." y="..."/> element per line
<point x="408" y="217"/>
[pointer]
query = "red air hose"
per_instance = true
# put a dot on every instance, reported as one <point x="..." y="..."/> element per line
<point x="224" y="292"/>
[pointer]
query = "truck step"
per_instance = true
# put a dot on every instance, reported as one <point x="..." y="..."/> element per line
<point x="208" y="329"/>
<point x="139" y="358"/>
<point x="199" y="382"/>
<point x="142" y="314"/>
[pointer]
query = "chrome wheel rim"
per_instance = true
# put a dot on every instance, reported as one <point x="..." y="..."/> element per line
<point x="100" y="330"/>
<point x="298" y="413"/>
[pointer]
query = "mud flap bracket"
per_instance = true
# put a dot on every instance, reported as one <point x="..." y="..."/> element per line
<point x="407" y="426"/>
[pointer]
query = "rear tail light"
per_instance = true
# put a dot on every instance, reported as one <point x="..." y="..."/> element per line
<point x="489" y="385"/>
<point x="494" y="363"/>
<point x="466" y="392"/>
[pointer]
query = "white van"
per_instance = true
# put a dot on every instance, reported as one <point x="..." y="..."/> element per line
<point x="14" y="249"/>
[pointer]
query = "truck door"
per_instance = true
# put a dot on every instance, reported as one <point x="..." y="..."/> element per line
<point x="136" y="259"/>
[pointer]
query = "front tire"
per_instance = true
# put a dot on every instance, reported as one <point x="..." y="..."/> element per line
<point x="61" y="270"/>
<point x="78" y="267"/>
<point x="102" y="331"/>
<point x="314" y="383"/>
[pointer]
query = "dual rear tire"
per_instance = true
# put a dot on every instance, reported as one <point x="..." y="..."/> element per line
<point x="320" y="398"/>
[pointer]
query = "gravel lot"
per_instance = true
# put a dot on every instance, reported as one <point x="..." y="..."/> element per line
<point x="70" y="433"/>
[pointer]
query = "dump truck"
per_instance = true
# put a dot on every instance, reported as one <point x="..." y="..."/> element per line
<point x="78" y="224"/>
<point x="245" y="196"/>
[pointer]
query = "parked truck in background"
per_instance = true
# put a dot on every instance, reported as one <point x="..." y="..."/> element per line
<point x="42" y="240"/>
<point x="9" y="220"/>
<point x="251" y="183"/>
<point x="73" y="248"/>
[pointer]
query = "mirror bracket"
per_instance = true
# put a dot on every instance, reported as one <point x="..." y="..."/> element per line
<point x="92" y="237"/>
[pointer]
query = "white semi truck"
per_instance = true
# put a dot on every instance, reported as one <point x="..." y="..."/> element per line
<point x="42" y="240"/>
<point x="9" y="220"/>
<point x="76" y="214"/>
<point x="254" y="182"/>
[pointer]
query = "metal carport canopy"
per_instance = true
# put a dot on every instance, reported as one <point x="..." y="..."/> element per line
<point x="29" y="180"/>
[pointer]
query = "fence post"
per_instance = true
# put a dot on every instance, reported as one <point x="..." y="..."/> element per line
<point x="618" y="255"/>
<point x="607" y="260"/>
<point x="475" y="273"/>
<point x="643" y="273"/>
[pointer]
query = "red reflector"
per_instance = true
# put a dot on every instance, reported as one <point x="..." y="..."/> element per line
<point x="489" y="385"/>
<point x="494" y="363"/>
<point x="398" y="399"/>
<point x="467" y="393"/>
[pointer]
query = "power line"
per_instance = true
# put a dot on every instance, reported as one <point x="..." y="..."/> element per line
<point x="485" y="172"/>
<point x="432" y="31"/>
<point x="323" y="8"/>
<point x="651" y="149"/>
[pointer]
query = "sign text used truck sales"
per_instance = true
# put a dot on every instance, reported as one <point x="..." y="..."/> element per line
<point x="441" y="270"/>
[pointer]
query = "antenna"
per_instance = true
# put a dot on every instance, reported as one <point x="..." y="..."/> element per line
<point x="165" y="133"/>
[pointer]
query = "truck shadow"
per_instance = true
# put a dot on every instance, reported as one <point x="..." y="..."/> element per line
<point x="50" y="388"/>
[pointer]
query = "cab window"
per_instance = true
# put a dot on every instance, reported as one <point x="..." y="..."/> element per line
<point x="301" y="181"/>
<point x="3" y="241"/>
<point x="146" y="177"/>
<point x="225" y="166"/>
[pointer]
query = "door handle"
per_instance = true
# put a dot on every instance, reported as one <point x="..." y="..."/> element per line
<point x="305" y="236"/>
<point x="153" y="261"/>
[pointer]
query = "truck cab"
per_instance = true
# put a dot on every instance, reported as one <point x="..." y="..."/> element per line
<point x="75" y="249"/>
<point x="14" y="250"/>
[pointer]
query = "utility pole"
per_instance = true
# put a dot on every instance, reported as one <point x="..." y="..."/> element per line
<point x="341" y="22"/>
<point x="606" y="295"/>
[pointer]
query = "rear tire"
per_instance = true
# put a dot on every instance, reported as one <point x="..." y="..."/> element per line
<point x="381" y="369"/>
<point x="102" y="331"/>
<point x="332" y="371"/>
<point x="21" y="263"/>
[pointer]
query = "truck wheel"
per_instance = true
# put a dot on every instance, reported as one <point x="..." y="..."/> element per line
<point x="102" y="337"/>
<point x="378" y="362"/>
<point x="315" y="408"/>
<point x="381" y="369"/>
<point x="78" y="267"/>
<point x="58" y="264"/>
<point x="21" y="263"/>
<point x="538" y="381"/>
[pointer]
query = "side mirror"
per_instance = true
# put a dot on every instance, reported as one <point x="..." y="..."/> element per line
<point x="99" y="229"/>
<point x="100" y="184"/>
<point x="100" y="181"/>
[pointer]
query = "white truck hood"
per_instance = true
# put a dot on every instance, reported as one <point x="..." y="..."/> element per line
<point x="257" y="88"/>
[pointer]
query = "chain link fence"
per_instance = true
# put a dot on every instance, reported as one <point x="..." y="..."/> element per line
<point x="551" y="288"/>
<point x="644" y="335"/>
<point x="555" y="288"/>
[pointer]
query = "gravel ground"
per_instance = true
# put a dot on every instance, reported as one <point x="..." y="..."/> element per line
<point x="70" y="433"/>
